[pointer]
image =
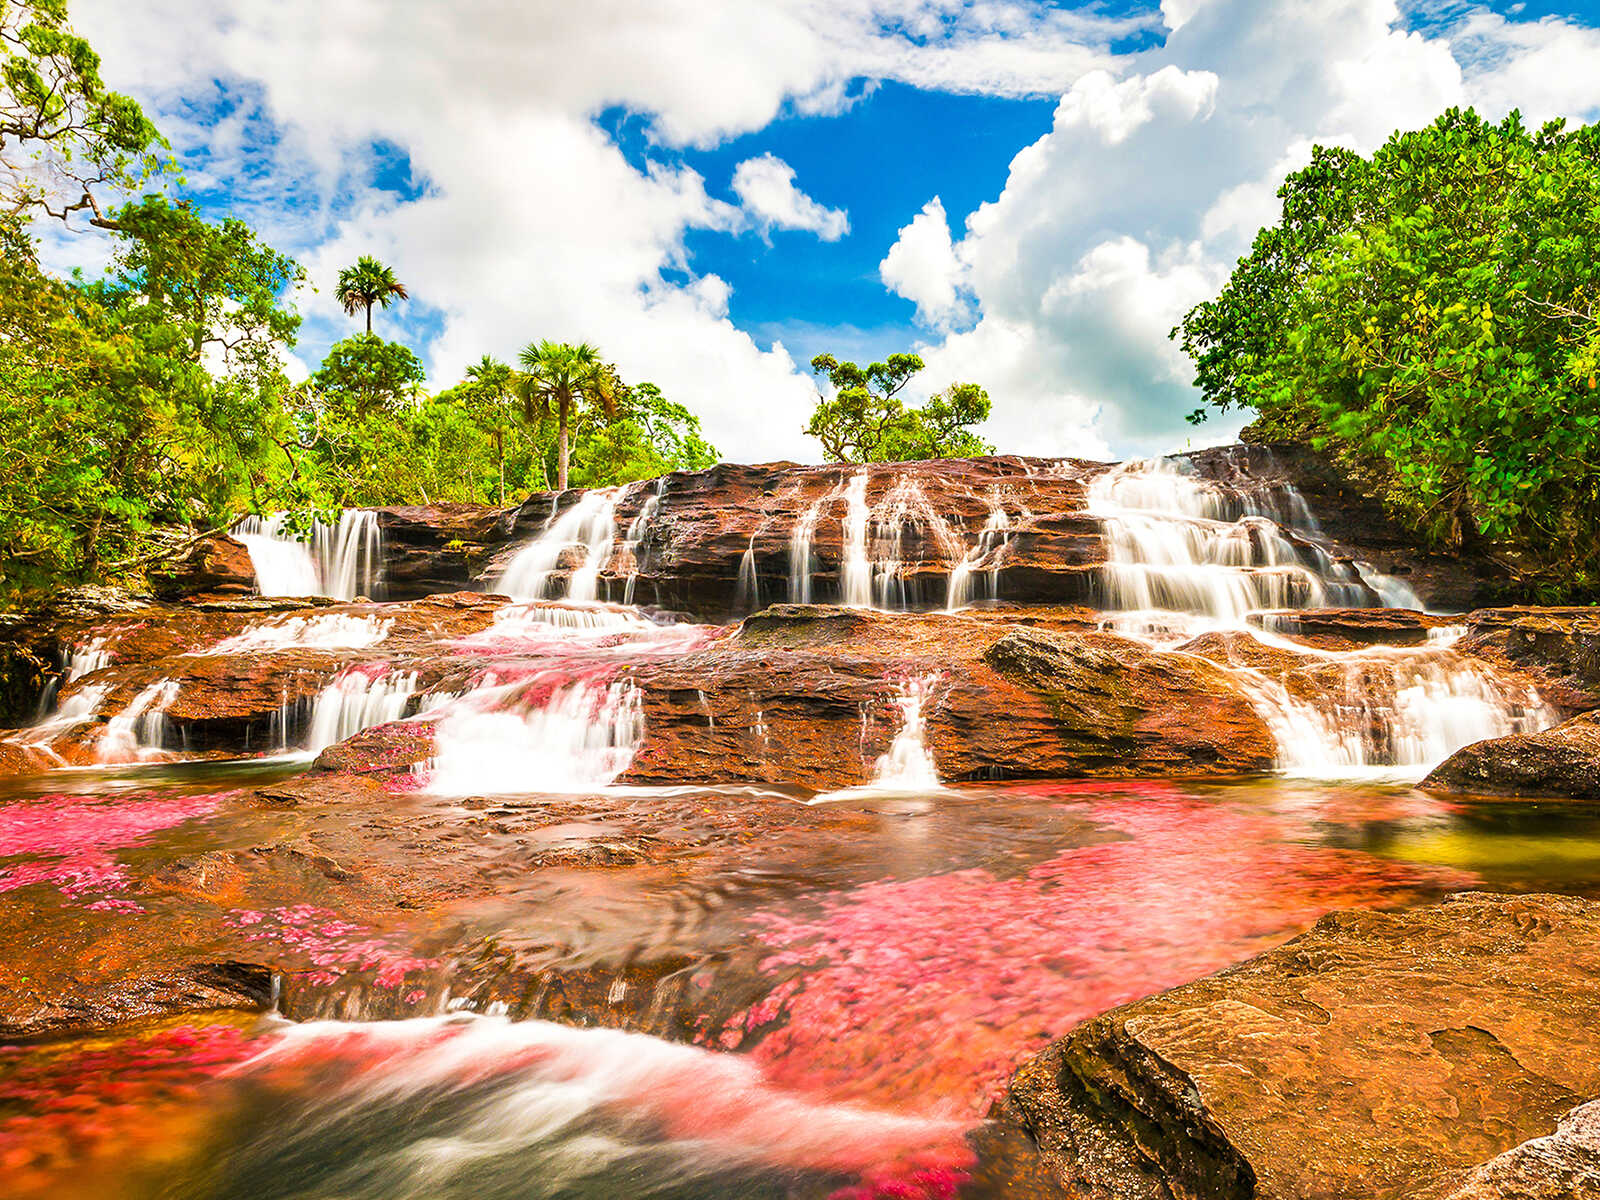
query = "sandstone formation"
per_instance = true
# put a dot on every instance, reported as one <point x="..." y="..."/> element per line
<point x="1564" y="762"/>
<point x="1374" y="1057"/>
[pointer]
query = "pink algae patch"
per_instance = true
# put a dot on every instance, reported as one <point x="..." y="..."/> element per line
<point x="333" y="946"/>
<point x="70" y="840"/>
<point x="930" y="992"/>
<point x="85" y="1109"/>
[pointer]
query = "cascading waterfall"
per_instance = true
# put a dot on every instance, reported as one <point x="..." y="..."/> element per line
<point x="578" y="737"/>
<point x="747" y="597"/>
<point x="586" y="531"/>
<point x="355" y="701"/>
<point x="855" y="569"/>
<point x="86" y="659"/>
<point x="984" y="558"/>
<point x="1186" y="556"/>
<point x="907" y="768"/>
<point x="634" y="538"/>
<point x="344" y="560"/>
<point x="139" y="732"/>
<point x="802" y="561"/>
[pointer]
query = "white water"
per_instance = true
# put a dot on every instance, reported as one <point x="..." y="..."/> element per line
<point x="343" y="560"/>
<point x="855" y="571"/>
<point x="138" y="732"/>
<point x="465" y="1106"/>
<point x="579" y="738"/>
<point x="983" y="558"/>
<point x="584" y="535"/>
<point x="88" y="658"/>
<point x="802" y="561"/>
<point x="1187" y="556"/>
<point x="331" y="631"/>
<point x="907" y="768"/>
<point x="634" y="538"/>
<point x="747" y="598"/>
<point x="355" y="701"/>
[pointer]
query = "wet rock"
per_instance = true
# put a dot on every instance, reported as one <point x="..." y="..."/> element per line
<point x="439" y="547"/>
<point x="1380" y="1055"/>
<point x="1340" y="628"/>
<point x="1561" y="644"/>
<point x="1564" y="761"/>
<point x="213" y="566"/>
<point x="1564" y="1165"/>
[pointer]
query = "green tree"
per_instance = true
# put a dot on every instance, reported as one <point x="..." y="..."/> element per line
<point x="64" y="135"/>
<point x="487" y="393"/>
<point x="367" y="283"/>
<point x="646" y="435"/>
<point x="559" y="378"/>
<point x="364" y="374"/>
<point x="1429" y="316"/>
<point x="866" y="421"/>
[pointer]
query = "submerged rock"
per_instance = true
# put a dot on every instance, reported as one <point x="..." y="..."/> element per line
<point x="1564" y="761"/>
<point x="1380" y="1055"/>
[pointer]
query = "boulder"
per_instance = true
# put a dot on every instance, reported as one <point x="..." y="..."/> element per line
<point x="1342" y="628"/>
<point x="213" y="566"/>
<point x="1562" y="645"/>
<point x="1379" y="1056"/>
<point x="1564" y="761"/>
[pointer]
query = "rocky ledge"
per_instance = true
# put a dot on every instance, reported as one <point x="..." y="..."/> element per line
<point x="1559" y="762"/>
<point x="1380" y="1056"/>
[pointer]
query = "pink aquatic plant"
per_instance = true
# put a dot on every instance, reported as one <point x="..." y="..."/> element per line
<point x="70" y="839"/>
<point x="931" y="991"/>
<point x="333" y="946"/>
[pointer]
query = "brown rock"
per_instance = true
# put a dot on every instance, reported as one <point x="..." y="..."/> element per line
<point x="1561" y="644"/>
<point x="1564" y="761"/>
<point x="216" y="566"/>
<point x="1565" y="1165"/>
<point x="1353" y="626"/>
<point x="1377" y="1056"/>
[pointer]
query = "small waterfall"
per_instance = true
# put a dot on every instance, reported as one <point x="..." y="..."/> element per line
<point x="332" y="631"/>
<point x="802" y="562"/>
<point x="139" y="731"/>
<point x="587" y="530"/>
<point x="78" y="709"/>
<point x="356" y="701"/>
<point x="1397" y="712"/>
<point x="84" y="660"/>
<point x="1178" y="544"/>
<point x="634" y="538"/>
<point x="747" y="598"/>
<point x="855" y="570"/>
<point x="580" y="737"/>
<point x="993" y="538"/>
<point x="344" y="560"/>
<point x="908" y="764"/>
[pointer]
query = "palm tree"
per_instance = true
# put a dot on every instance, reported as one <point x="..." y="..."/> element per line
<point x="495" y="379"/>
<point x="367" y="283"/>
<point x="559" y="376"/>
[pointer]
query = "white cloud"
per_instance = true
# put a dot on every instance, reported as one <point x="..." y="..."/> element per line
<point x="765" y="187"/>
<point x="922" y="266"/>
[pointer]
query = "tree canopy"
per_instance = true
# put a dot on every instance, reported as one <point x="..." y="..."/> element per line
<point x="866" y="421"/>
<point x="367" y="283"/>
<point x="1429" y="317"/>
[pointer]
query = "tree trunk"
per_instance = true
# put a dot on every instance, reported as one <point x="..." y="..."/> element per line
<point x="500" y="454"/>
<point x="369" y="316"/>
<point x="561" y="448"/>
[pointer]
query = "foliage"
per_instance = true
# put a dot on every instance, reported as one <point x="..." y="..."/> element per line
<point x="1429" y="315"/>
<point x="364" y="374"/>
<point x="367" y="283"/>
<point x="866" y="421"/>
<point x="63" y="134"/>
<point x="647" y="435"/>
<point x="559" y="378"/>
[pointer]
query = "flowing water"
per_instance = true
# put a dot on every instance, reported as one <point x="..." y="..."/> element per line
<point x="816" y="1001"/>
<point x="343" y="560"/>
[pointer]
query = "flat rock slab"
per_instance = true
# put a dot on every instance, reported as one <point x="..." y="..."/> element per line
<point x="1380" y="1055"/>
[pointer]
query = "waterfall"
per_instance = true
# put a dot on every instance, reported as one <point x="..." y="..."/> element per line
<point x="331" y="631"/>
<point x="747" y="598"/>
<point x="995" y="535"/>
<point x="802" y="562"/>
<point x="908" y="764"/>
<point x="634" y="538"/>
<point x="1396" y="712"/>
<point x="587" y="531"/>
<point x="578" y="738"/>
<point x="855" y="569"/>
<point x="138" y="732"/>
<point x="1178" y="544"/>
<point x="343" y="560"/>
<point x="86" y="659"/>
<point x="356" y="701"/>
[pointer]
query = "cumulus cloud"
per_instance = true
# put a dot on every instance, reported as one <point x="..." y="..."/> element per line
<point x="766" y="189"/>
<point x="922" y="266"/>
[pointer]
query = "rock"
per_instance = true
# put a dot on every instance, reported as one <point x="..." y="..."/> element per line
<point x="1565" y="1165"/>
<point x="1561" y="644"/>
<point x="1343" y="628"/>
<point x="214" y="566"/>
<point x="1377" y="1056"/>
<point x="439" y="547"/>
<point x="1564" y="761"/>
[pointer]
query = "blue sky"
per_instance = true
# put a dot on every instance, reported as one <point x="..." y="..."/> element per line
<point x="713" y="192"/>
